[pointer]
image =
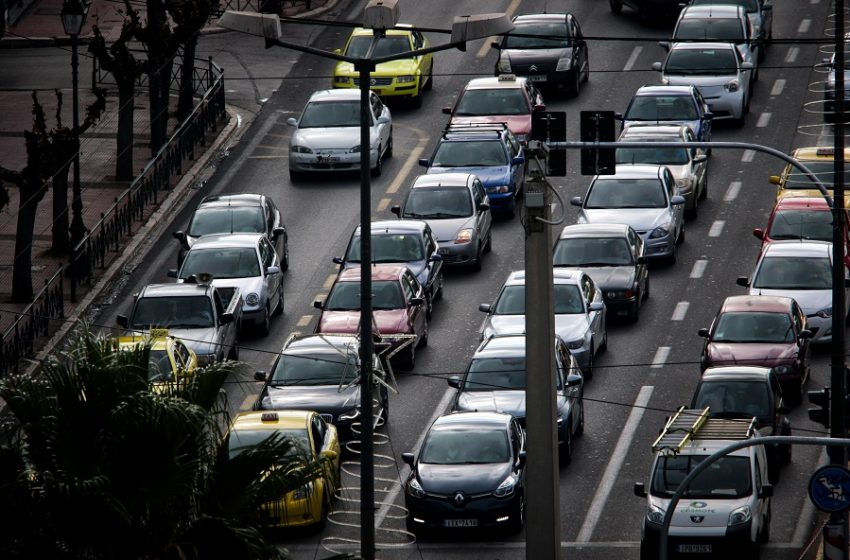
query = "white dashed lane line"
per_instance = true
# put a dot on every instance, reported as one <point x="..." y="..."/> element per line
<point x="804" y="26"/>
<point x="748" y="156"/>
<point x="329" y="281"/>
<point x="383" y="204"/>
<point x="764" y="120"/>
<point x="304" y="320"/>
<point x="732" y="191"/>
<point x="792" y="55"/>
<point x="777" y="88"/>
<point x="680" y="311"/>
<point x="699" y="268"/>
<point x="630" y="62"/>
<point x="485" y="48"/>
<point x="660" y="357"/>
<point x="716" y="228"/>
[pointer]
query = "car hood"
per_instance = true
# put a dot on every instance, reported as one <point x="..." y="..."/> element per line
<point x="321" y="398"/>
<point x="765" y="354"/>
<point x="521" y="59"/>
<point x="612" y="277"/>
<point x="470" y="479"/>
<point x="512" y="402"/>
<point x="253" y="285"/>
<point x="641" y="219"/>
<point x="201" y="341"/>
<point x="406" y="66"/>
<point x="386" y="321"/>
<point x="490" y="176"/>
<point x="810" y="301"/>
<point x="569" y="327"/>
<point x="445" y="229"/>
<point x="518" y="124"/>
<point x="332" y="138"/>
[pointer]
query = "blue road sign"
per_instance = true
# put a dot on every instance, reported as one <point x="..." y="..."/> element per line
<point x="829" y="488"/>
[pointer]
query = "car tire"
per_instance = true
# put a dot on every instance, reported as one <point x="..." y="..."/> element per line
<point x="489" y="245"/>
<point x="693" y="212"/>
<point x="476" y="263"/>
<point x="516" y="524"/>
<point x="264" y="327"/>
<point x="438" y="293"/>
<point x="429" y="85"/>
<point x="764" y="533"/>
<point x="647" y="552"/>
<point x="565" y="450"/>
<point x="580" y="425"/>
<point x="704" y="192"/>
<point x="511" y="212"/>
<point x="233" y="353"/>
<point x="604" y="346"/>
<point x="586" y="70"/>
<point x="573" y="86"/>
<point x="423" y="338"/>
<point x="681" y="238"/>
<point x="181" y="254"/>
<point x="278" y="310"/>
<point x="616" y="6"/>
<point x="416" y="100"/>
<point x="635" y="312"/>
<point x="409" y="361"/>
<point x="646" y="289"/>
<point x="773" y="466"/>
<point x="785" y="452"/>
<point x="379" y="166"/>
<point x="284" y="262"/>
<point x="388" y="153"/>
<point x="588" y="374"/>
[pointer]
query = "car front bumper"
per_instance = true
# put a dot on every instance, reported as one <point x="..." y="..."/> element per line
<point x="727" y="106"/>
<point x="660" y="247"/>
<point x="329" y="162"/>
<point x="458" y="253"/>
<point x="382" y="88"/>
<point x="824" y="326"/>
<point x="438" y="512"/>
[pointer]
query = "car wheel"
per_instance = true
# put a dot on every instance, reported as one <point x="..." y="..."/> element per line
<point x="379" y="167"/>
<point x="409" y="360"/>
<point x="416" y="100"/>
<point x="646" y="288"/>
<point x="388" y="153"/>
<point x="565" y="450"/>
<point x="511" y="212"/>
<point x="773" y="466"/>
<point x="693" y="212"/>
<point x="671" y="260"/>
<point x="489" y="245"/>
<point x="704" y="192"/>
<point x="429" y="306"/>
<point x="233" y="354"/>
<point x="580" y="425"/>
<point x="681" y="238"/>
<point x="586" y="70"/>
<point x="181" y="254"/>
<point x="604" y="346"/>
<point x="278" y="310"/>
<point x="429" y="85"/>
<point x="785" y="453"/>
<point x="438" y="293"/>
<point x="323" y="516"/>
<point x="518" y="519"/>
<point x="588" y="372"/>
<point x="263" y="328"/>
<point x="647" y="552"/>
<point x="616" y="6"/>
<point x="573" y="86"/>
<point x="795" y="395"/>
<point x="764" y="533"/>
<point x="476" y="263"/>
<point x="423" y="338"/>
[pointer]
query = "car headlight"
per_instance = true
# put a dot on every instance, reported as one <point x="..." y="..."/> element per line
<point x="685" y="183"/>
<point x="825" y="313"/>
<point x="655" y="515"/>
<point x="415" y="489"/>
<point x="303" y="492"/>
<point x="499" y="189"/>
<point x="341" y="79"/>
<point x="732" y="85"/>
<point x="782" y="370"/>
<point x="576" y="344"/>
<point x="301" y="149"/>
<point x="252" y="299"/>
<point x="463" y="236"/>
<point x="740" y="515"/>
<point x="348" y="415"/>
<point x="405" y="79"/>
<point x="506" y="488"/>
<point x="620" y="294"/>
<point x="505" y="65"/>
<point x="563" y="65"/>
<point x="660" y="231"/>
<point x="665" y="82"/>
<point x="354" y="149"/>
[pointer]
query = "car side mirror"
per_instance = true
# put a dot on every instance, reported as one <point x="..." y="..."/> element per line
<point x="743" y="281"/>
<point x="539" y="107"/>
<point x="424" y="162"/>
<point x="447" y="110"/>
<point x="172" y="273"/>
<point x="766" y="491"/>
<point x="337" y="51"/>
<point x="272" y="270"/>
<point x="329" y="454"/>
<point x="485" y="307"/>
<point x="496" y="45"/>
<point x="226" y="318"/>
<point x="700" y="158"/>
<point x="656" y="66"/>
<point x="759" y="233"/>
<point x="521" y="459"/>
<point x="575" y="201"/>
<point x="338" y="260"/>
<point x="618" y="116"/>
<point x="318" y="304"/>
<point x="573" y="380"/>
<point x="664" y="45"/>
<point x="746" y="65"/>
<point x="396" y="209"/>
<point x="703" y="332"/>
<point x="292" y="121"/>
<point x="259" y="376"/>
<point x="123" y="321"/>
<point x="435" y="258"/>
<point x="641" y="260"/>
<point x="483" y="207"/>
<point x="277" y="232"/>
<point x="408" y="458"/>
<point x="417" y="301"/>
<point x="708" y="115"/>
<point x="383" y="120"/>
<point x="517" y="160"/>
<point x="677" y="200"/>
<point x="774" y="180"/>
<point x="596" y="306"/>
<point x="178" y="235"/>
<point x="454" y="381"/>
<point x="640" y="490"/>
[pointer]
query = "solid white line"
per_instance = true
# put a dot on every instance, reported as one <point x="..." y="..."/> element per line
<point x="804" y="25"/>
<point x="405" y="470"/>
<point x="248" y="402"/>
<point x="716" y="228"/>
<point x="777" y="88"/>
<point x="383" y="204"/>
<point x="699" y="268"/>
<point x="792" y="54"/>
<point x="630" y="62"/>
<point x="304" y="321"/>
<point x="748" y="156"/>
<point x="612" y="470"/>
<point x="764" y="120"/>
<point x="329" y="281"/>
<point x="485" y="48"/>
<point x="680" y="311"/>
<point x="660" y="357"/>
<point x="732" y="191"/>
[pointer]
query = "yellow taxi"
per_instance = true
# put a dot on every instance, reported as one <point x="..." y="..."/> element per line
<point x="407" y="77"/>
<point x="315" y="437"/>
<point x="169" y="359"/>
<point x="820" y="161"/>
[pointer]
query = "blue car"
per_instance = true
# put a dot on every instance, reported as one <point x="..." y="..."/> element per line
<point x="660" y="104"/>
<point x="489" y="151"/>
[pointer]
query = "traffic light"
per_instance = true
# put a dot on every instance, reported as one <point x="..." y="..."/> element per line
<point x="820" y="399"/>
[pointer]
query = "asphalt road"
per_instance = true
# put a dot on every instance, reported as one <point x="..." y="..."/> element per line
<point x="653" y="363"/>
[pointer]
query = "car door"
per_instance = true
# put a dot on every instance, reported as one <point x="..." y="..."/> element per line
<point x="677" y="211"/>
<point x="483" y="218"/>
<point x="704" y="132"/>
<point x="579" y="47"/>
<point x="517" y="170"/>
<point x="272" y="282"/>
<point x="595" y="319"/>
<point x="571" y="394"/>
<point x="435" y="265"/>
<point x="415" y="312"/>
<point x="639" y="259"/>
<point x="799" y="320"/>
<point x="380" y="110"/>
<point x="698" y="168"/>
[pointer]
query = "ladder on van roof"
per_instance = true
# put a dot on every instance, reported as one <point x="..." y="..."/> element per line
<point x="691" y="424"/>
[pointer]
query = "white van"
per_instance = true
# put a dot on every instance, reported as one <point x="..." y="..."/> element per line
<point x="727" y="509"/>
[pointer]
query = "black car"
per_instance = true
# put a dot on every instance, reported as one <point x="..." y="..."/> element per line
<point x="614" y="256"/>
<point x="236" y="213"/>
<point x="321" y="372"/>
<point x="495" y="381"/>
<point x="547" y="49"/>
<point x="668" y="9"/>
<point x="470" y="473"/>
<point x="747" y="392"/>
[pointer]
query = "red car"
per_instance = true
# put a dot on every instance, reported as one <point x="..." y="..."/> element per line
<point x="398" y="303"/>
<point x="767" y="331"/>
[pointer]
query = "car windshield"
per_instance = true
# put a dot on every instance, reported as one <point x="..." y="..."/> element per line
<point x="240" y="441"/>
<point x="326" y="368"/>
<point x="734" y="399"/>
<point x="326" y="114"/>
<point x="544" y="35"/>
<point x="233" y="262"/>
<point x="185" y="312"/>
<point x="824" y="170"/>
<point x="593" y="251"/>
<point x="626" y="193"/>
<point x="726" y="30"/>
<point x="389" y="248"/>
<point x="465" y="446"/>
<point x="497" y="374"/>
<point x="794" y="273"/>
<point x="662" y="108"/>
<point x="345" y="296"/>
<point x="652" y="155"/>
<point x="438" y="203"/>
<point x="512" y="300"/>
<point x="389" y="45"/>
<point x="471" y="153"/>
<point x="498" y="101"/>
<point x="728" y="477"/>
<point x="159" y="366"/>
<point x="751" y="6"/>
<point x="750" y="326"/>
<point x="227" y="219"/>
<point x="801" y="224"/>
<point x="702" y="62"/>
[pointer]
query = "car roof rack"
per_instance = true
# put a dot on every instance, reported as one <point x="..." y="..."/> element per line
<point x="694" y="424"/>
<point x="476" y="127"/>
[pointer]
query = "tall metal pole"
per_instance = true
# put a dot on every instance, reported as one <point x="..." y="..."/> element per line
<point x="78" y="228"/>
<point x="543" y="512"/>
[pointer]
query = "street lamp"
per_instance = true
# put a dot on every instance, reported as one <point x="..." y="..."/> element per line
<point x="73" y="18"/>
<point x="379" y="15"/>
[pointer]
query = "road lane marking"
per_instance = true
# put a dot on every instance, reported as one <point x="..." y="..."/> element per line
<point x="792" y="54"/>
<point x="485" y="48"/>
<point x="716" y="228"/>
<point x="699" y="268"/>
<point x="748" y="156"/>
<point x="660" y="357"/>
<point x="764" y="120"/>
<point x="383" y="204"/>
<point x="304" y="321"/>
<point x="680" y="311"/>
<point x="248" y="402"/>
<point x="630" y="62"/>
<point x="732" y="191"/>
<point x="804" y="26"/>
<point x="412" y="160"/>
<point x="405" y="470"/>
<point x="329" y="281"/>
<point x="612" y="470"/>
<point x="777" y="88"/>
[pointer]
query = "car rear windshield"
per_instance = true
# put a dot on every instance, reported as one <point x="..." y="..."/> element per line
<point x="734" y="399"/>
<point x="317" y="369"/>
<point x="240" y="441"/>
<point x="824" y="170"/>
<point x="794" y="273"/>
<point x="329" y="114"/>
<point x="728" y="477"/>
<point x="751" y="6"/>
<point x="661" y="108"/>
<point x="702" y="62"/>
<point x="389" y="248"/>
<point x="541" y="36"/>
<point x="228" y="219"/>
<point x="465" y="446"/>
<point x="185" y="312"/>
<point x="345" y="296"/>
<point x="387" y="46"/>
<point x="498" y="101"/>
<point x="236" y="262"/>
<point x="438" y="203"/>
<point x="652" y="155"/>
<point x="750" y="326"/>
<point x="726" y="30"/>
<point x="512" y="300"/>
<point x="801" y="224"/>
<point x="593" y="251"/>
<point x="626" y="193"/>
<point x="497" y="374"/>
<point x="470" y="153"/>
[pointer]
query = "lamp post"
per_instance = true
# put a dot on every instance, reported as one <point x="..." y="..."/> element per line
<point x="73" y="18"/>
<point x="379" y="15"/>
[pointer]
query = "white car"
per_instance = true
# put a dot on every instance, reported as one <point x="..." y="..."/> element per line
<point x="718" y="70"/>
<point x="580" y="314"/>
<point x="801" y="270"/>
<point x="643" y="196"/>
<point x="327" y="136"/>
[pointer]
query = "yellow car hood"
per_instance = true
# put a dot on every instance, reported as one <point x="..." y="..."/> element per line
<point x="404" y="67"/>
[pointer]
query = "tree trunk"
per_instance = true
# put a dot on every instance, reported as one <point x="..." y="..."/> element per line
<point x="165" y="97"/>
<point x="156" y="74"/>
<point x="187" y="74"/>
<point x="61" y="239"/>
<point x="124" y="138"/>
<point x="22" y="272"/>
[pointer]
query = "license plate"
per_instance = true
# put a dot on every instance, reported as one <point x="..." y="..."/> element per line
<point x="537" y="78"/>
<point x="694" y="548"/>
<point x="460" y="523"/>
<point x="327" y="159"/>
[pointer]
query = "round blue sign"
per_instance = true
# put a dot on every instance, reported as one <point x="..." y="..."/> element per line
<point x="829" y="488"/>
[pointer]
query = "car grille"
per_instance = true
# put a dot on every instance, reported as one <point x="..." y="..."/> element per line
<point x="375" y="82"/>
<point x="450" y="259"/>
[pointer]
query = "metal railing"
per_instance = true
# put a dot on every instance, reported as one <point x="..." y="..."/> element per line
<point x="116" y="224"/>
<point x="18" y="341"/>
<point x="202" y="74"/>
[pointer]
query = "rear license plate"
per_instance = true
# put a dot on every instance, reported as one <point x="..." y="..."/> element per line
<point x="537" y="78"/>
<point x="694" y="548"/>
<point x="460" y="523"/>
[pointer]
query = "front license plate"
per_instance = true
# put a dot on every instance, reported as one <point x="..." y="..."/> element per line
<point x="460" y="523"/>
<point x="694" y="548"/>
<point x="327" y="159"/>
<point x="537" y="78"/>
